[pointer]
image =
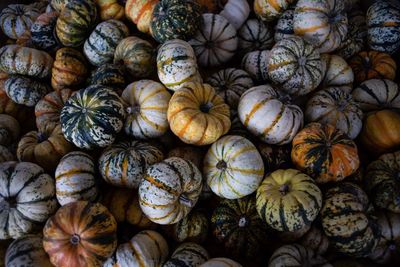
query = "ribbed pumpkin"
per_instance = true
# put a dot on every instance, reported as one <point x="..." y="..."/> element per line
<point x="316" y="240"/>
<point x="147" y="104"/>
<point x="110" y="75"/>
<point x="187" y="254"/>
<point x="338" y="72"/>
<point x="345" y="220"/>
<point x="296" y="65"/>
<point x="177" y="64"/>
<point x="235" y="11"/>
<point x="238" y="227"/>
<point x="169" y="190"/>
<point x="137" y="56"/>
<point x="9" y="130"/>
<point x="288" y="200"/>
<point x="175" y="19"/>
<point x="275" y="157"/>
<point x="216" y="41"/>
<point x="80" y="234"/>
<point x="270" y="10"/>
<point x="296" y="255"/>
<point x="323" y="23"/>
<point x="42" y="31"/>
<point x="284" y="26"/>
<point x="92" y="117"/>
<point x="27" y="198"/>
<point x="193" y="153"/>
<point x="233" y="167"/>
<point x="220" y="262"/>
<point x="268" y="114"/>
<point x="58" y="5"/>
<point x="256" y="64"/>
<point x="99" y="48"/>
<point x="140" y="12"/>
<point x="325" y="153"/>
<point x="197" y="115"/>
<point x="24" y="90"/>
<point x="15" y="19"/>
<point x="255" y="35"/>
<point x="124" y="163"/>
<point x="110" y="9"/>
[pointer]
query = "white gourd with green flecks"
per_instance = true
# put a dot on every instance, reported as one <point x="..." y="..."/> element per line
<point x="256" y="64"/>
<point x="255" y="35"/>
<point x="188" y="254"/>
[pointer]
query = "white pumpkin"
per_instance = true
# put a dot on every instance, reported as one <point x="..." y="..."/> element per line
<point x="188" y="254"/>
<point x="284" y="26"/>
<point x="236" y="12"/>
<point x="256" y="64"/>
<point x="338" y="72"/>
<point x="221" y="262"/>
<point x="255" y="35"/>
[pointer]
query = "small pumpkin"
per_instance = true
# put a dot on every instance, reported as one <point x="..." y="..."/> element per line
<point x="188" y="254"/>
<point x="221" y="262"/>
<point x="109" y="75"/>
<point x="9" y="130"/>
<point x="140" y="12"/>
<point x="254" y="35"/>
<point x="24" y="90"/>
<point x="236" y="12"/>
<point x="15" y="19"/>
<point x="6" y="154"/>
<point x="316" y="240"/>
<point x="296" y="255"/>
<point x="58" y="5"/>
<point x="338" y="72"/>
<point x="42" y="31"/>
<point x="284" y="26"/>
<point x="269" y="10"/>
<point x="110" y="9"/>
<point x="256" y="64"/>
<point x="193" y="153"/>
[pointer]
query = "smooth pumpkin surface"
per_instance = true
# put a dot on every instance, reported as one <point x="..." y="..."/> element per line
<point x="338" y="72"/>
<point x="140" y="12"/>
<point x="221" y="262"/>
<point x="235" y="11"/>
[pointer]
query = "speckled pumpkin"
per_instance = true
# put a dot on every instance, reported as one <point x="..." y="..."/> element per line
<point x="235" y="11"/>
<point x="15" y="19"/>
<point x="221" y="262"/>
<point x="110" y="75"/>
<point x="140" y="12"/>
<point x="269" y="10"/>
<point x="338" y="72"/>
<point x="9" y="129"/>
<point x="296" y="255"/>
<point x="110" y="9"/>
<point x="256" y="64"/>
<point x="255" y="35"/>
<point x="188" y="254"/>
<point x="58" y="5"/>
<point x="284" y="25"/>
<point x="24" y="90"/>
<point x="6" y="155"/>
<point x="42" y="31"/>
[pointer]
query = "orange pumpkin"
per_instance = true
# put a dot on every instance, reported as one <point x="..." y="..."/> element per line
<point x="140" y="12"/>
<point x="110" y="9"/>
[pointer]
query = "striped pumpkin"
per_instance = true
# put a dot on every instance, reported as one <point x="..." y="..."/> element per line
<point x="124" y="163"/>
<point x="75" y="178"/>
<point x="193" y="153"/>
<point x="147" y="104"/>
<point x="99" y="48"/>
<point x="197" y="115"/>
<point x="177" y="64"/>
<point x="80" y="234"/>
<point x="268" y="114"/>
<point x="58" y="5"/>
<point x="256" y="64"/>
<point x="338" y="72"/>
<point x="296" y="65"/>
<point x="110" y="75"/>
<point x="325" y="153"/>
<point x="254" y="35"/>
<point x="140" y="12"/>
<point x="6" y="155"/>
<point x="323" y="23"/>
<point x="188" y="254"/>
<point x="296" y="255"/>
<point x="15" y="19"/>
<point x="169" y="190"/>
<point x="284" y="26"/>
<point x="316" y="240"/>
<point x="286" y="237"/>
<point x="288" y="200"/>
<point x="269" y="10"/>
<point x="92" y="117"/>
<point x="110" y="9"/>
<point x="9" y="130"/>
<point x="377" y="94"/>
<point x="42" y="31"/>
<point x="220" y="262"/>
<point x="233" y="167"/>
<point x="24" y="90"/>
<point x="28" y="198"/>
<point x="235" y="11"/>
<point x="230" y="84"/>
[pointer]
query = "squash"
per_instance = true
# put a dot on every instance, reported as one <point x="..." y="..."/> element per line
<point x="147" y="104"/>
<point x="215" y="42"/>
<point x="28" y="198"/>
<point x="15" y="19"/>
<point x="268" y="114"/>
<point x="99" y="48"/>
<point x="220" y="262"/>
<point x="42" y="31"/>
<point x="110" y="9"/>
<point x="80" y="234"/>
<point x="288" y="200"/>
<point x="338" y="72"/>
<point x="373" y="65"/>
<point x="254" y="35"/>
<point x="323" y="23"/>
<point x="325" y="153"/>
<point x="177" y="64"/>
<point x="237" y="127"/>
<point x="137" y="56"/>
<point x="9" y="130"/>
<point x="286" y="237"/>
<point x="92" y="117"/>
<point x="75" y="22"/>
<point x="269" y="10"/>
<point x="140" y="12"/>
<point x="124" y="163"/>
<point x="24" y="90"/>
<point x="19" y="112"/>
<point x="188" y="254"/>
<point x="316" y="240"/>
<point x="284" y="26"/>
<point x="192" y="153"/>
<point x="25" y="40"/>
<point x="236" y="12"/>
<point x="256" y="65"/>
<point x="233" y="167"/>
<point x="296" y="255"/>
<point x="275" y="157"/>
<point x="295" y="65"/>
<point x="377" y="94"/>
<point x="6" y="154"/>
<point x="230" y="84"/>
<point x="76" y="178"/>
<point x="197" y="115"/>
<point x="175" y="19"/>
<point x="109" y="75"/>
<point x="169" y="190"/>
<point x="58" y="5"/>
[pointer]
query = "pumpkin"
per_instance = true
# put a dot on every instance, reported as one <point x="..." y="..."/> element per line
<point x="275" y="157"/>
<point x="323" y="23"/>
<point x="216" y="41"/>
<point x="81" y="233"/>
<point x="286" y="237"/>
<point x="27" y="251"/>
<point x="69" y="69"/>
<point x="15" y="19"/>
<point x="109" y="75"/>
<point x="124" y="163"/>
<point x="381" y="131"/>
<point x="58" y="5"/>
<point x="345" y="220"/>
<point x="233" y="167"/>
<point x="268" y="114"/>
<point x="230" y="84"/>
<point x="316" y="240"/>
<point x="42" y="31"/>
<point x="15" y="59"/>
<point x="137" y="56"/>
<point x="177" y="64"/>
<point x="269" y="10"/>
<point x="254" y="35"/>
<point x="296" y="255"/>
<point x="383" y="21"/>
<point x="92" y="117"/>
<point x="288" y="200"/>
<point x="99" y="48"/>
<point x="9" y="129"/>
<point x="255" y="64"/>
<point x="220" y="262"/>
<point x="377" y="94"/>
<point x="296" y="65"/>
<point x="6" y="154"/>
<point x="140" y="12"/>
<point x="192" y="153"/>
<point x="20" y="112"/>
<point x="169" y="190"/>
<point x="237" y="127"/>
<point x="147" y="104"/>
<point x="75" y="22"/>
<point x="110" y="9"/>
<point x="175" y="19"/>
<point x="236" y="12"/>
<point x="373" y="65"/>
<point x="188" y="254"/>
<point x="284" y="26"/>
<point x="27" y="198"/>
<point x="25" y="40"/>
<point x="197" y="115"/>
<point x="338" y="72"/>
<point x="24" y="90"/>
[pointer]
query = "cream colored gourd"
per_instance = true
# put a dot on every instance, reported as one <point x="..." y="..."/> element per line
<point x="236" y="12"/>
<point x="338" y="72"/>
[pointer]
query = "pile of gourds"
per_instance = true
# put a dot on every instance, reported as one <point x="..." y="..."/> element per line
<point x="208" y="133"/>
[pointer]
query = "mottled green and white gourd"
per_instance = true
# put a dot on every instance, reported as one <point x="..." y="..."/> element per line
<point x="255" y="35"/>
<point x="15" y="19"/>
<point x="42" y="31"/>
<point x="24" y="90"/>
<point x="284" y="26"/>
<point x="188" y="254"/>
<point x="255" y="63"/>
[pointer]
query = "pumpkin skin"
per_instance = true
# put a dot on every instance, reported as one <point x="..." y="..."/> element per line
<point x="220" y="262"/>
<point x="35" y="200"/>
<point x="80" y="234"/>
<point x="169" y="190"/>
<point x="92" y="117"/>
<point x="147" y="104"/>
<point x="269" y="10"/>
<point x="236" y="12"/>
<point x="110" y="9"/>
<point x="338" y="72"/>
<point x="284" y="26"/>
<point x="15" y="19"/>
<point x="6" y="154"/>
<point x="288" y="200"/>
<point x="267" y="114"/>
<point x="233" y="167"/>
<point x="188" y="254"/>
<point x="58" y="5"/>
<point x="256" y="64"/>
<point x="140" y="12"/>
<point x="24" y="90"/>
<point x="296" y="65"/>
<point x="42" y="31"/>
<point x="109" y="75"/>
<point x="9" y="130"/>
<point x="197" y="115"/>
<point x="254" y="35"/>
<point x="124" y="163"/>
<point x="296" y="255"/>
<point x="316" y="240"/>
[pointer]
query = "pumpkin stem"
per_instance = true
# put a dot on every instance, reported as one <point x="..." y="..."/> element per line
<point x="12" y="202"/>
<point x="243" y="222"/>
<point x="205" y="107"/>
<point x="221" y="165"/>
<point x="392" y="246"/>
<point x="302" y="61"/>
<point x="284" y="189"/>
<point x="75" y="239"/>
<point x="41" y="137"/>
<point x="185" y="201"/>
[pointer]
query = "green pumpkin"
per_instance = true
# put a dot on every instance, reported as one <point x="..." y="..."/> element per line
<point x="187" y="254"/>
<point x="110" y="75"/>
<point x="42" y="31"/>
<point x="24" y="90"/>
